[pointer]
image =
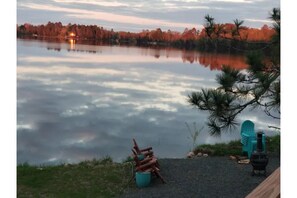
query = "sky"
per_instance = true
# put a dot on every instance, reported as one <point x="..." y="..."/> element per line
<point x="136" y="15"/>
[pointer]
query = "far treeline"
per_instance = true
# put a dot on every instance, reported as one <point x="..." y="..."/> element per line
<point x="213" y="37"/>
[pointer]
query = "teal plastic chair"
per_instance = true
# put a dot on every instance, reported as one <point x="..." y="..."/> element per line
<point x="248" y="138"/>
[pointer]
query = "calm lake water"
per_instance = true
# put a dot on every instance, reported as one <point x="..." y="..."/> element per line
<point x="78" y="102"/>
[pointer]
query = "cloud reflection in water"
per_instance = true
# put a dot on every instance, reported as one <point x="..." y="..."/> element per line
<point x="74" y="106"/>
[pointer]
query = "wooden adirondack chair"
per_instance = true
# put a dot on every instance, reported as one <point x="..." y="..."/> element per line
<point x="148" y="158"/>
<point x="148" y="164"/>
<point x="145" y="151"/>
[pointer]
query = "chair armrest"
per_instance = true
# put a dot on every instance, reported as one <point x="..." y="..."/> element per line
<point x="149" y="164"/>
<point x="146" y="160"/>
<point x="146" y="149"/>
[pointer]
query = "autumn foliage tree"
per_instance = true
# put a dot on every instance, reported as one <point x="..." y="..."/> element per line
<point x="258" y="87"/>
<point x="212" y="36"/>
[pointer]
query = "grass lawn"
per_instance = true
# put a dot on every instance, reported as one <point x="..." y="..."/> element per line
<point x="235" y="147"/>
<point x="96" y="178"/>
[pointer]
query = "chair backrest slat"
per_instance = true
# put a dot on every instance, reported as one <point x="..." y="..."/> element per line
<point x="248" y="127"/>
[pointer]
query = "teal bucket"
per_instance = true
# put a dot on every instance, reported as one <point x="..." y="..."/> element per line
<point x="143" y="179"/>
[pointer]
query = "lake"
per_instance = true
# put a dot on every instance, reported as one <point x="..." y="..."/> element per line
<point x="78" y="102"/>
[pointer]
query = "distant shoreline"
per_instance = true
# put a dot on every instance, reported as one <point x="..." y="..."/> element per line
<point x="246" y="39"/>
<point x="154" y="45"/>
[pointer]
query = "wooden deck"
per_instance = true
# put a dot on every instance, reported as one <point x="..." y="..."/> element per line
<point x="269" y="188"/>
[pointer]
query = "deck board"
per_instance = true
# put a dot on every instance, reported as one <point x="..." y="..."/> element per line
<point x="269" y="188"/>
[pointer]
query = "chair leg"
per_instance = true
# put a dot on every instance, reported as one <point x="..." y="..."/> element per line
<point x="159" y="175"/>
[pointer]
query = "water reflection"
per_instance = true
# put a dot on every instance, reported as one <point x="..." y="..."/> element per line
<point x="75" y="105"/>
<point x="212" y="60"/>
<point x="72" y="44"/>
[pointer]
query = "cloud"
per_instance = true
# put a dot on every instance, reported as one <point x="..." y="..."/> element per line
<point x="93" y="2"/>
<point x="110" y="17"/>
<point x="62" y="70"/>
<point x="133" y="15"/>
<point x="234" y="1"/>
<point x="259" y="21"/>
<point x="102" y="59"/>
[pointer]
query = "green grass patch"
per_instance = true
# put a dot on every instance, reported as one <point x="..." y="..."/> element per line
<point x="235" y="147"/>
<point x="273" y="144"/>
<point x="95" y="178"/>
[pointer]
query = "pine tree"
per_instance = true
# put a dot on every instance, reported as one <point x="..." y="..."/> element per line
<point x="257" y="87"/>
